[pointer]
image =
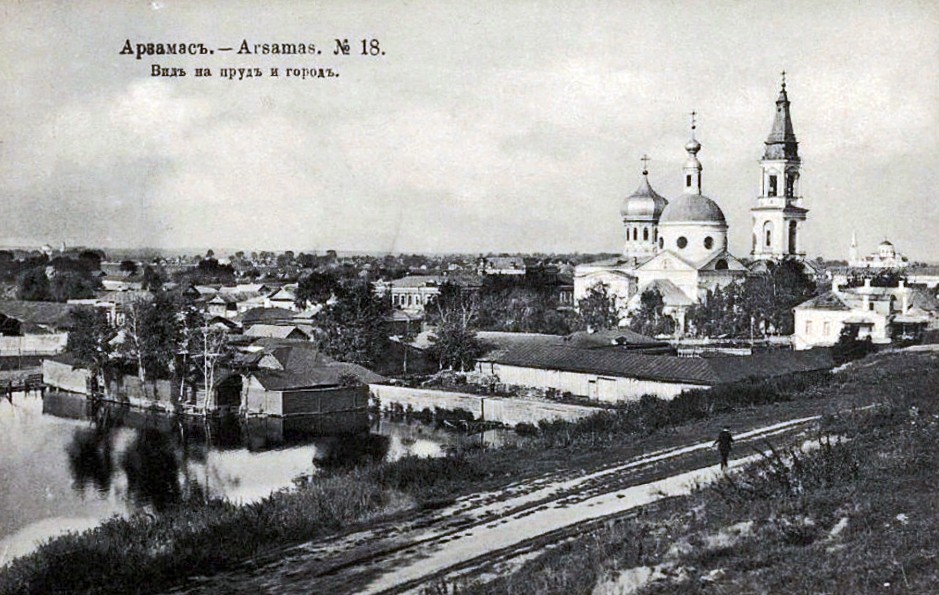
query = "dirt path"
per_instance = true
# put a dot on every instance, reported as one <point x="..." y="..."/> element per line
<point x="488" y="532"/>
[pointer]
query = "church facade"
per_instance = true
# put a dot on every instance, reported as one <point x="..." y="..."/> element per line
<point x="679" y="246"/>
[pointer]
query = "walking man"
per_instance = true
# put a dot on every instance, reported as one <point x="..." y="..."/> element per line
<point x="723" y="443"/>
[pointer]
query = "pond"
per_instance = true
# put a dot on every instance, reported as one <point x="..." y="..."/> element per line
<point x="66" y="464"/>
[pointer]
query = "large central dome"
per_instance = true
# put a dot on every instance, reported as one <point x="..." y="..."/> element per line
<point x="693" y="208"/>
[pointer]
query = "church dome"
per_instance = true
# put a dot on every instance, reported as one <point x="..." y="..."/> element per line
<point x="644" y="203"/>
<point x="693" y="208"/>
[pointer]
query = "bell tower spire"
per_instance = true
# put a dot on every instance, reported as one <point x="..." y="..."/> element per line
<point x="779" y="216"/>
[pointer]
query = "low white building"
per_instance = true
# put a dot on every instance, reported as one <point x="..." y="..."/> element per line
<point x="612" y="374"/>
<point x="878" y="313"/>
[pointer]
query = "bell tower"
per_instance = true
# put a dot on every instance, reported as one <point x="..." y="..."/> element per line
<point x="778" y="216"/>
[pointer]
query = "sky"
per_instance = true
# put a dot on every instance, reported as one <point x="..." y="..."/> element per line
<point x="498" y="126"/>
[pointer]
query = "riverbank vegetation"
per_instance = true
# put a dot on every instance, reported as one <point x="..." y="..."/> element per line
<point x="153" y="553"/>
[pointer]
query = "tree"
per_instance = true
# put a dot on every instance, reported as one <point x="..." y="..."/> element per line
<point x="316" y="288"/>
<point x="89" y="341"/>
<point x="880" y="278"/>
<point x="151" y="335"/>
<point x="454" y="343"/>
<point x="211" y="350"/>
<point x="650" y="318"/>
<point x="762" y="303"/>
<point x="598" y="308"/>
<point x="71" y="285"/>
<point x="850" y="347"/>
<point x="152" y="279"/>
<point x="33" y="285"/>
<point x="129" y="267"/>
<point x="353" y="325"/>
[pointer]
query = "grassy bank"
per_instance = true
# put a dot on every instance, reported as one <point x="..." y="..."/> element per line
<point x="854" y="514"/>
<point x="147" y="553"/>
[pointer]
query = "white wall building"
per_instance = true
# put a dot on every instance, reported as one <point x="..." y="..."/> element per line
<point x="875" y="312"/>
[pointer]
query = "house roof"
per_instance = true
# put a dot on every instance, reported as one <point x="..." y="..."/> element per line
<point x="233" y="297"/>
<point x="665" y="368"/>
<point x="924" y="300"/>
<point x="46" y="314"/>
<point x="826" y="301"/>
<point x="125" y="297"/>
<point x="275" y="331"/>
<point x="671" y="294"/>
<point x="265" y="315"/>
<point x="306" y="367"/>
<point x="244" y="287"/>
<point x="413" y="281"/>
<point x="505" y="262"/>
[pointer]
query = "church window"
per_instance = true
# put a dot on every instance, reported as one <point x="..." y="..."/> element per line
<point x="720" y="265"/>
<point x="792" y="237"/>
<point x="688" y="180"/>
<point x="772" y="186"/>
<point x="682" y="242"/>
<point x="790" y="185"/>
<point x="709" y="242"/>
<point x="645" y="234"/>
<point x="635" y="233"/>
<point x="768" y="233"/>
<point x="661" y="243"/>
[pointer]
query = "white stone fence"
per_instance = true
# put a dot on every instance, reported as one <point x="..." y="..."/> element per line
<point x="506" y="410"/>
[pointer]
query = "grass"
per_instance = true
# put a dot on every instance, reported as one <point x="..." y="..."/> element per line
<point x="147" y="553"/>
<point x="855" y="514"/>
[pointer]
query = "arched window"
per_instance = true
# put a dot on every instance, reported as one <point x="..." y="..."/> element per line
<point x="768" y="233"/>
<point x="792" y="237"/>
<point x="645" y="234"/>
<point x="661" y="243"/>
<point x="773" y="185"/>
<point x="682" y="242"/>
<point x="720" y="265"/>
<point x="791" y="184"/>
<point x="708" y="242"/>
<point x="635" y="233"/>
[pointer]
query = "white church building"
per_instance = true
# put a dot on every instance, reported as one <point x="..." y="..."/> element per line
<point x="679" y="246"/>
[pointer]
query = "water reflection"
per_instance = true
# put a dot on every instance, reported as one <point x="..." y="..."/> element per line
<point x="152" y="470"/>
<point x="91" y="458"/>
<point x="66" y="461"/>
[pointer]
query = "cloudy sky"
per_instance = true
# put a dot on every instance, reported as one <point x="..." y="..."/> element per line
<point x="500" y="126"/>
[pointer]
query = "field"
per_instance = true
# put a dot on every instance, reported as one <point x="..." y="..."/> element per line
<point x="852" y="512"/>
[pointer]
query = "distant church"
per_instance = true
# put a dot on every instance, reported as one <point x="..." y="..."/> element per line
<point x="886" y="257"/>
<point x="679" y="247"/>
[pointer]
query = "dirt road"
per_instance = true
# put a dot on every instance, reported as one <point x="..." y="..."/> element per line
<point x="487" y="533"/>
